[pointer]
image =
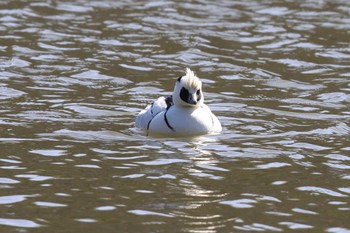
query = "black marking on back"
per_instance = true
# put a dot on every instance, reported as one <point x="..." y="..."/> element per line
<point x="169" y="101"/>
<point x="184" y="94"/>
<point x="167" y="122"/>
<point x="149" y="123"/>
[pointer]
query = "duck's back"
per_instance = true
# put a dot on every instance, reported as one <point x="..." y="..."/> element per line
<point x="144" y="118"/>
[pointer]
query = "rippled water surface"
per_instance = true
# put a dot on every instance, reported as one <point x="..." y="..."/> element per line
<point x="74" y="74"/>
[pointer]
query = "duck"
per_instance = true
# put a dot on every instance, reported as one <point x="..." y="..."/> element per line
<point x="181" y="114"/>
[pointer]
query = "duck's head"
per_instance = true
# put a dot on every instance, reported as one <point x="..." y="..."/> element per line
<point x="188" y="91"/>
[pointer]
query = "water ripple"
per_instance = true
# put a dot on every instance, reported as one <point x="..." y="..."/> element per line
<point x="21" y="223"/>
<point x="320" y="190"/>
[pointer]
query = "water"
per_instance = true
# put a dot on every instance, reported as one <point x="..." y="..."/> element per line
<point x="75" y="74"/>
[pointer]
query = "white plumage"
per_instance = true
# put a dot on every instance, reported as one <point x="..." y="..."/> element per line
<point x="182" y="114"/>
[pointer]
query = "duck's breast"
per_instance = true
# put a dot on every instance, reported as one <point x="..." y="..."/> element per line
<point x="182" y="121"/>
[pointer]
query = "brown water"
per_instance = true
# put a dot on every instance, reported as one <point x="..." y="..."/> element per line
<point x="75" y="74"/>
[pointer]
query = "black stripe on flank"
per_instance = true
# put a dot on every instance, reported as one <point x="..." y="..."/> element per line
<point x="167" y="122"/>
<point x="148" y="126"/>
<point x="149" y="123"/>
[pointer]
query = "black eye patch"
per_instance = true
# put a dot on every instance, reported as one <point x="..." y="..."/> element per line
<point x="199" y="95"/>
<point x="184" y="94"/>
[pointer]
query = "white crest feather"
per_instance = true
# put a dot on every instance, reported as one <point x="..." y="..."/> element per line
<point x="191" y="80"/>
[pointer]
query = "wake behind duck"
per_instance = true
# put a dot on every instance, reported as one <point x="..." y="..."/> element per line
<point x="182" y="114"/>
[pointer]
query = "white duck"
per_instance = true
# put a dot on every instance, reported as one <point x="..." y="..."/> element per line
<point x="182" y="114"/>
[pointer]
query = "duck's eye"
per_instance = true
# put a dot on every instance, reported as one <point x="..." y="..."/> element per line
<point x="199" y="95"/>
